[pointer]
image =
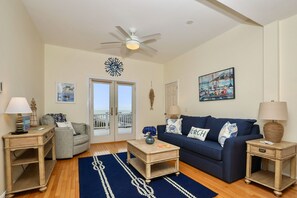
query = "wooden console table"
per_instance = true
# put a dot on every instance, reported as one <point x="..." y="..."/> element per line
<point x="33" y="146"/>
<point x="278" y="153"/>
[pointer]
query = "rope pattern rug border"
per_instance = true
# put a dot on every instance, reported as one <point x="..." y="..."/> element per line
<point x="142" y="188"/>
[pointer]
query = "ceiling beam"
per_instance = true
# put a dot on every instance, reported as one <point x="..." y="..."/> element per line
<point x="229" y="12"/>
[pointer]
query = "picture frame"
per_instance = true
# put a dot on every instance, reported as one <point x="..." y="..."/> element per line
<point x="65" y="92"/>
<point x="218" y="85"/>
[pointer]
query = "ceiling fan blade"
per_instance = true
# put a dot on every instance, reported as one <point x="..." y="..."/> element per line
<point x="124" y="51"/>
<point x="148" y="48"/>
<point x="146" y="52"/>
<point x="127" y="35"/>
<point x="149" y="41"/>
<point x="149" y="37"/>
<point x="109" y="46"/>
<point x="117" y="37"/>
<point x="116" y="42"/>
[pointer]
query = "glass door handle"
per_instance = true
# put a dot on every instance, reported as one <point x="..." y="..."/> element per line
<point x="111" y="111"/>
<point x="116" y="113"/>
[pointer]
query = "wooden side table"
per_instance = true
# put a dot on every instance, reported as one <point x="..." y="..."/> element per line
<point x="34" y="145"/>
<point x="278" y="153"/>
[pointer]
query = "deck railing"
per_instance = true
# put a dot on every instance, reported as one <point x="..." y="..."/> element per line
<point x="101" y="121"/>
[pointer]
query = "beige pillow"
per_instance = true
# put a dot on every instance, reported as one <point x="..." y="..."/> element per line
<point x="198" y="133"/>
<point x="66" y="124"/>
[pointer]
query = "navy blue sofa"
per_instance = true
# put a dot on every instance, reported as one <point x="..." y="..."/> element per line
<point x="227" y="163"/>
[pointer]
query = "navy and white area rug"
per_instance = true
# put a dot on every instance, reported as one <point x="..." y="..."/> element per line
<point x="110" y="176"/>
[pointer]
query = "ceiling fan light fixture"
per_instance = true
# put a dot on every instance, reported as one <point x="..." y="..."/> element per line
<point x="132" y="44"/>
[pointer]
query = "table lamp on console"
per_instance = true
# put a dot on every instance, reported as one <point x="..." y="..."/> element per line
<point x="18" y="106"/>
<point x="273" y="111"/>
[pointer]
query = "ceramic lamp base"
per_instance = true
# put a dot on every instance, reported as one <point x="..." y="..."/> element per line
<point x="19" y="125"/>
<point x="273" y="132"/>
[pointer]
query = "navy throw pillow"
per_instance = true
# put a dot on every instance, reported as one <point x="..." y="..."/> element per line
<point x="215" y="125"/>
<point x="58" y="117"/>
<point x="192" y="121"/>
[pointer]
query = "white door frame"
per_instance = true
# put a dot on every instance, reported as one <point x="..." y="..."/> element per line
<point x="171" y="95"/>
<point x="113" y="112"/>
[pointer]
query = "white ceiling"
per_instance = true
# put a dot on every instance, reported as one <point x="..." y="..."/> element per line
<point x="84" y="24"/>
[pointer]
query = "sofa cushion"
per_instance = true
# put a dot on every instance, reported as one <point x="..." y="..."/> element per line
<point x="47" y="120"/>
<point x="192" y="121"/>
<point x="79" y="128"/>
<point x="174" y="126"/>
<point x="58" y="117"/>
<point x="172" y="138"/>
<point x="215" y="125"/>
<point x="207" y="148"/>
<point x="80" y="139"/>
<point x="198" y="133"/>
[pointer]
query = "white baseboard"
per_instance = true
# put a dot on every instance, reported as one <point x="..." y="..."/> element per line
<point x="3" y="195"/>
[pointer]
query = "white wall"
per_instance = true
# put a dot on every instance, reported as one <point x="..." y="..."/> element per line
<point x="265" y="69"/>
<point x="241" y="48"/>
<point x="280" y="45"/>
<point x="21" y="66"/>
<point x="77" y="66"/>
<point x="271" y="62"/>
<point x="288" y="74"/>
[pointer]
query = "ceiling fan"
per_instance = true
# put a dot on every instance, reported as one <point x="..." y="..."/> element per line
<point x="129" y="42"/>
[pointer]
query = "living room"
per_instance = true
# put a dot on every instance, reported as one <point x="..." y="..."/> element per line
<point x="263" y="58"/>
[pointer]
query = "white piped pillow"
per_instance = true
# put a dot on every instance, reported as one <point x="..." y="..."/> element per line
<point x="198" y="133"/>
<point x="66" y="124"/>
<point x="174" y="126"/>
<point x="228" y="130"/>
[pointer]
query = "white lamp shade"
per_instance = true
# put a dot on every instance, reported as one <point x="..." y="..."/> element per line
<point x="174" y="110"/>
<point x="273" y="111"/>
<point x="18" y="105"/>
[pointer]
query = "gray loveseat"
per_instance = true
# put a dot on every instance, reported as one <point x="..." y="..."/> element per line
<point x="67" y="144"/>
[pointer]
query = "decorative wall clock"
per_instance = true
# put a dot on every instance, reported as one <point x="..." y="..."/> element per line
<point x="113" y="66"/>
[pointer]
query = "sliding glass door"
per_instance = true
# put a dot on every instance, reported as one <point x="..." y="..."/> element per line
<point x="112" y="110"/>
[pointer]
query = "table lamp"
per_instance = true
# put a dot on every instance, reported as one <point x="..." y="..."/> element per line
<point x="273" y="111"/>
<point x="19" y="106"/>
<point x="174" y="111"/>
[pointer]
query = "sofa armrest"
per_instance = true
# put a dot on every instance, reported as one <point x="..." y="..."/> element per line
<point x="234" y="157"/>
<point x="64" y="142"/>
<point x="161" y="129"/>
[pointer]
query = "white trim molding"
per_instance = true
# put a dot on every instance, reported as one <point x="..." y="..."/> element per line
<point x="3" y="195"/>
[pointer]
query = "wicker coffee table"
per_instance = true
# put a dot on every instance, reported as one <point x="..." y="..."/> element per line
<point x="153" y="160"/>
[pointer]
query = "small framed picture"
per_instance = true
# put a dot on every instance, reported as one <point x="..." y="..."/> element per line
<point x="65" y="92"/>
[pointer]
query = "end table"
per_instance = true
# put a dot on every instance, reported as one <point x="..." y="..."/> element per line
<point x="278" y="153"/>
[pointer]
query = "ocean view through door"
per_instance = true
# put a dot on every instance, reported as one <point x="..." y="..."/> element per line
<point x="112" y="110"/>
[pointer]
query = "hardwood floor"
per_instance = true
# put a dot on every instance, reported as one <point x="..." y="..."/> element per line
<point x="64" y="180"/>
